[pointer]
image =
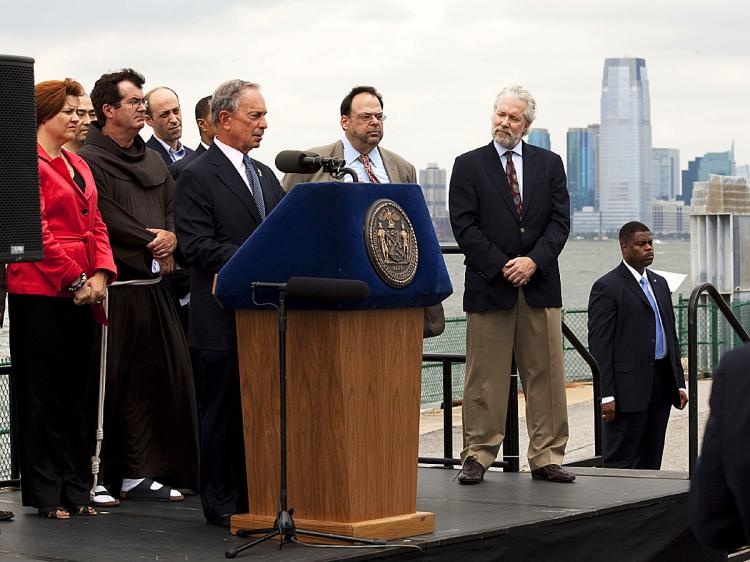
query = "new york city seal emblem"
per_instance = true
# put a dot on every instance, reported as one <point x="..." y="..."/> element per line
<point x="391" y="243"/>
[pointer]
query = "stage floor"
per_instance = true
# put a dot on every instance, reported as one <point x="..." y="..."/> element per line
<point x="509" y="512"/>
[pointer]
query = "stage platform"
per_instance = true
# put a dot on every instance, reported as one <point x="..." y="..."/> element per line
<point x="607" y="515"/>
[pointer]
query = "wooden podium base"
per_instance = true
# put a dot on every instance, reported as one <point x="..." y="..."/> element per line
<point x="387" y="528"/>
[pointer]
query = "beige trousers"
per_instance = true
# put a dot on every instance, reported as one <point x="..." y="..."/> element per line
<point x="536" y="336"/>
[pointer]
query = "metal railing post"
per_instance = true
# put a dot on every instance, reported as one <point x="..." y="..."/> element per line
<point x="693" y="360"/>
<point x="448" y="411"/>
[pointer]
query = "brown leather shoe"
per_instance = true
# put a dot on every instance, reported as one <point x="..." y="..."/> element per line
<point x="552" y="473"/>
<point x="472" y="471"/>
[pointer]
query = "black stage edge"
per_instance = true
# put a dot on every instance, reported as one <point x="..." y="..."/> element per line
<point x="611" y="515"/>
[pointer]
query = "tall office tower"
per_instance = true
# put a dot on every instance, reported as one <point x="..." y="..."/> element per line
<point x="539" y="137"/>
<point x="720" y="163"/>
<point x="625" y="144"/>
<point x="582" y="166"/>
<point x="665" y="177"/>
<point x="435" y="192"/>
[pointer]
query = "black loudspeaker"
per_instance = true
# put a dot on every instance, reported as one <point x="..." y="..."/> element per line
<point x="20" y="216"/>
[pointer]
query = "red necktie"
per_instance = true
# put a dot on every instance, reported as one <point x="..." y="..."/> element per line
<point x="510" y="172"/>
<point x="368" y="168"/>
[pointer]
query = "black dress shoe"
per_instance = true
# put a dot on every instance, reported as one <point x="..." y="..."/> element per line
<point x="224" y="521"/>
<point x="552" y="473"/>
<point x="472" y="471"/>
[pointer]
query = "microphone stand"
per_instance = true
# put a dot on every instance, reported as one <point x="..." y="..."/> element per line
<point x="283" y="525"/>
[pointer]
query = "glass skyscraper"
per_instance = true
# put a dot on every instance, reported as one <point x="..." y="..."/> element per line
<point x="582" y="166"/>
<point x="432" y="181"/>
<point x="625" y="144"/>
<point x="721" y="163"/>
<point x="665" y="178"/>
<point x="539" y="137"/>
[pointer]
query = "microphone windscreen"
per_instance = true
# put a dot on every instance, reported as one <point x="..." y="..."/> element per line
<point x="290" y="162"/>
<point x="323" y="289"/>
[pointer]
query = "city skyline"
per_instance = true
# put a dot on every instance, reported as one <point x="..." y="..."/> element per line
<point x="427" y="58"/>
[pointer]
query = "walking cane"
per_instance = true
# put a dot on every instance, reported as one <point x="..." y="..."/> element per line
<point x="100" y="408"/>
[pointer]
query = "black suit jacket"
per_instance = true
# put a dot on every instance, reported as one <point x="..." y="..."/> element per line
<point x="489" y="231"/>
<point x="720" y="491"/>
<point x="175" y="168"/>
<point x="214" y="214"/>
<point x="154" y="144"/>
<point x="622" y="337"/>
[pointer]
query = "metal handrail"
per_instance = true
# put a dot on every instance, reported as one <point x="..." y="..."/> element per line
<point x="712" y="292"/>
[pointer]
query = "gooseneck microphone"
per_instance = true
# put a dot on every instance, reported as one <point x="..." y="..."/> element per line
<point x="298" y="162"/>
<point x="321" y="289"/>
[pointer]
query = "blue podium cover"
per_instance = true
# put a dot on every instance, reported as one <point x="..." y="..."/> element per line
<point x="318" y="231"/>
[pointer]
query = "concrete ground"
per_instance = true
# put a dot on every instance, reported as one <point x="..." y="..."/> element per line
<point x="581" y="423"/>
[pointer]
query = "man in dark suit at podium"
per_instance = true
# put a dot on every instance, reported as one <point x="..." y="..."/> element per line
<point x="221" y="199"/>
<point x="510" y="214"/>
<point x="632" y="336"/>
<point x="362" y="121"/>
<point x="720" y="492"/>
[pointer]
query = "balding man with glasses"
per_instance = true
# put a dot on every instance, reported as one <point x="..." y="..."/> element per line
<point x="362" y="121"/>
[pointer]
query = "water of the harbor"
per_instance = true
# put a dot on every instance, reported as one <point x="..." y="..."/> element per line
<point x="581" y="263"/>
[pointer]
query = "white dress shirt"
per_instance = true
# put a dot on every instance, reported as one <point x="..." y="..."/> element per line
<point x="236" y="157"/>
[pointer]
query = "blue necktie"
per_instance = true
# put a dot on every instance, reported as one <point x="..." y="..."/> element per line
<point x="252" y="177"/>
<point x="659" y="329"/>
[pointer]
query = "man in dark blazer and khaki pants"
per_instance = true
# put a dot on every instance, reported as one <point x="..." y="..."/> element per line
<point x="510" y="214"/>
<point x="633" y="338"/>
<point x="221" y="199"/>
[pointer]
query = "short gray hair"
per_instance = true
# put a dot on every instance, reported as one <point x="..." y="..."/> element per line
<point x="226" y="95"/>
<point x="517" y="92"/>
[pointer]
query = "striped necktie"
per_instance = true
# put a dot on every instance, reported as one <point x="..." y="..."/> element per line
<point x="252" y="177"/>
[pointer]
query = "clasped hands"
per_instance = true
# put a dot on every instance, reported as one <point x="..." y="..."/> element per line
<point x="162" y="248"/>
<point x="519" y="270"/>
<point x="608" y="409"/>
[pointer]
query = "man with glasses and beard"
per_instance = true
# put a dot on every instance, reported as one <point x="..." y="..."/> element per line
<point x="510" y="213"/>
<point x="362" y="120"/>
<point x="150" y="417"/>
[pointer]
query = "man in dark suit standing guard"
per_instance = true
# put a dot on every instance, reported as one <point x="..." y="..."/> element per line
<point x="510" y="214"/>
<point x="207" y="132"/>
<point x="221" y="199"/>
<point x="633" y="338"/>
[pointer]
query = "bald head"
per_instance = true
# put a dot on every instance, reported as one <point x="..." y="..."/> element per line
<point x="163" y="115"/>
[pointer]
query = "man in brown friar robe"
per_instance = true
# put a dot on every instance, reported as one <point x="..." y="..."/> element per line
<point x="150" y="418"/>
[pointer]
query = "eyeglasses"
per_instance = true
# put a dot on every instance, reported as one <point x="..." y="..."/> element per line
<point x="134" y="103"/>
<point x="367" y="117"/>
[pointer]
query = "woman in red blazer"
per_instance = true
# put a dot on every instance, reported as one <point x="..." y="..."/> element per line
<point x="53" y="306"/>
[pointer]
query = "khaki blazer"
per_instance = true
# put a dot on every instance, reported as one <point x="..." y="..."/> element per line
<point x="398" y="169"/>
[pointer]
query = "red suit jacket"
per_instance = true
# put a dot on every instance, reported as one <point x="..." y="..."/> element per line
<point x="74" y="237"/>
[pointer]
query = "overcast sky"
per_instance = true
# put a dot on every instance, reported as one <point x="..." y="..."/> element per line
<point x="438" y="63"/>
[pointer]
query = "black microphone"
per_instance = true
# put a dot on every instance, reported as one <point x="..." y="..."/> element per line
<point x="298" y="162"/>
<point x="322" y="289"/>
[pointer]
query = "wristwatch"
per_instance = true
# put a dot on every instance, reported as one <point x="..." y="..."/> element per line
<point x="78" y="284"/>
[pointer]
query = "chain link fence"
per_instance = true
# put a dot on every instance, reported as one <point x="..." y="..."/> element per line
<point x="715" y="336"/>
<point x="5" y="442"/>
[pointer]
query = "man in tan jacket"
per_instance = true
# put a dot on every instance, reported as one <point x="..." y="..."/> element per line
<point x="362" y="120"/>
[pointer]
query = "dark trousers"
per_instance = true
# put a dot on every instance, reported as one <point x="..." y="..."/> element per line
<point x="223" y="477"/>
<point x="51" y="342"/>
<point x="636" y="439"/>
